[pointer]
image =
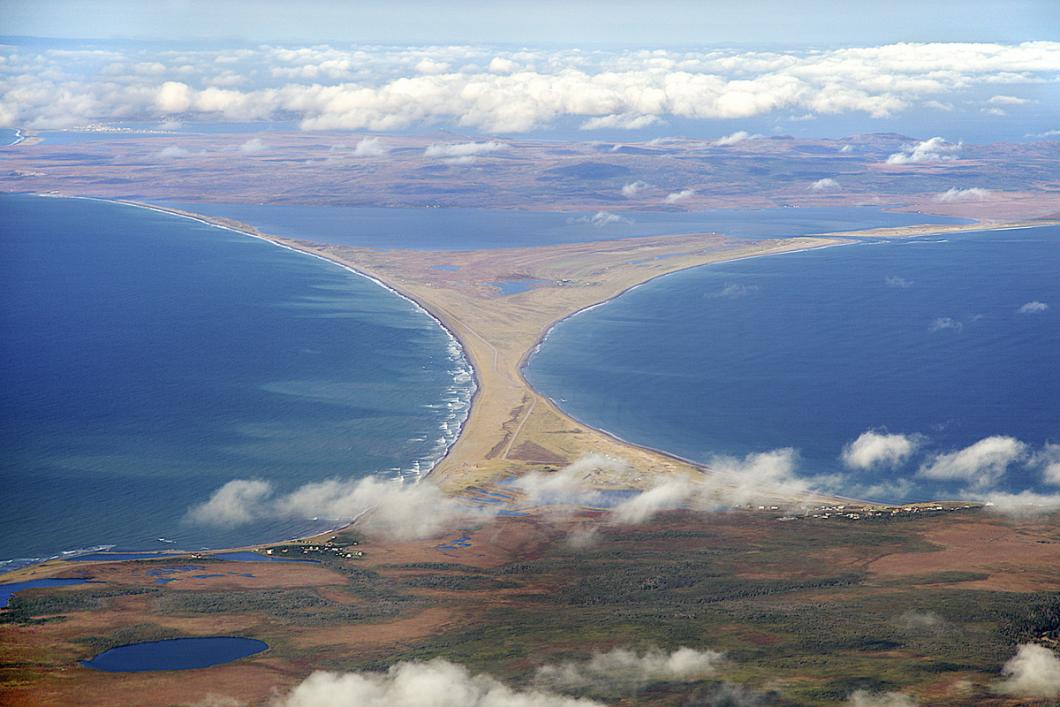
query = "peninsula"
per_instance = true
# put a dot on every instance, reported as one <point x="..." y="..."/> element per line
<point x="512" y="428"/>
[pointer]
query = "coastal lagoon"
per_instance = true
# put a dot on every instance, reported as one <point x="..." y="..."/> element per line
<point x="148" y="359"/>
<point x="937" y="337"/>
<point x="474" y="229"/>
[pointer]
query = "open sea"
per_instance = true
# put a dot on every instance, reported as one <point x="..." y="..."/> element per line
<point x="938" y="337"/>
<point x="147" y="359"/>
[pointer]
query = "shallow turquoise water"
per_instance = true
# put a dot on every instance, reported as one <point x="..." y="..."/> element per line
<point x="145" y="360"/>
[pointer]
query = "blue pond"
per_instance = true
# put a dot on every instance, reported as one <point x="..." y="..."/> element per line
<point x="9" y="590"/>
<point x="175" y="654"/>
<point x="247" y="556"/>
<point x="116" y="556"/>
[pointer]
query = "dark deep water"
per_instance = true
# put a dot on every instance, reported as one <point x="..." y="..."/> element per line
<point x="809" y="350"/>
<point x="145" y="360"/>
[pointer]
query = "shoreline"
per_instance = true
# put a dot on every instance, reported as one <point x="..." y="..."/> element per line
<point x="476" y="376"/>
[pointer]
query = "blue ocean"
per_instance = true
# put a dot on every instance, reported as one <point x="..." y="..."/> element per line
<point x="148" y="359"/>
<point x="951" y="339"/>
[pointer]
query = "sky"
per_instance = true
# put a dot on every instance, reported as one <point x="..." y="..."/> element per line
<point x="973" y="70"/>
<point x="578" y="22"/>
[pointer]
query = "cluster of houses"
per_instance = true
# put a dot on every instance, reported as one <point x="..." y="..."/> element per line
<point x="859" y="512"/>
<point x="327" y="548"/>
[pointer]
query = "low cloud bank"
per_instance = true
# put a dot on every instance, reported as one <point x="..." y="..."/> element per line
<point x="735" y="138"/>
<point x="440" y="683"/>
<point x="573" y="484"/>
<point x="767" y="477"/>
<point x="1033" y="672"/>
<point x="864" y="698"/>
<point x="601" y="219"/>
<point x="757" y="478"/>
<point x="978" y="468"/>
<point x="970" y="194"/>
<point x="625" y="668"/>
<point x="393" y="509"/>
<point x="436" y="683"/>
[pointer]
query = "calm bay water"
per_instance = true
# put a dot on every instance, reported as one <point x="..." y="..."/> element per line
<point x="148" y="359"/>
<point x="473" y="229"/>
<point x="809" y="350"/>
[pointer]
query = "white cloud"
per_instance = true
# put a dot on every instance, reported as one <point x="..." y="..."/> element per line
<point x="969" y="194"/>
<point x="730" y="482"/>
<point x="667" y="495"/>
<point x="921" y="622"/>
<point x="935" y="149"/>
<point x="385" y="507"/>
<point x="252" y="146"/>
<point x="767" y="477"/>
<point x="429" y="66"/>
<point x="575" y="483"/>
<point x="601" y="219"/>
<point x="674" y="197"/>
<point x="734" y="290"/>
<point x="939" y="105"/>
<point x="873" y="450"/>
<point x="946" y="323"/>
<point x="898" y="281"/>
<point x="735" y="138"/>
<point x="1024" y="503"/>
<point x="370" y="147"/>
<point x="389" y="88"/>
<point x="172" y="152"/>
<point x="1008" y="101"/>
<point x="826" y="184"/>
<point x="1033" y="672"/>
<point x="625" y="668"/>
<point x="633" y="188"/>
<point x="173" y="97"/>
<point x="1034" y="307"/>
<point x="981" y="464"/>
<point x="620" y="121"/>
<point x="435" y="683"/>
<point x="1049" y="461"/>
<point x="500" y="65"/>
<point x="458" y="150"/>
<point x="864" y="698"/>
<point x="236" y="503"/>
